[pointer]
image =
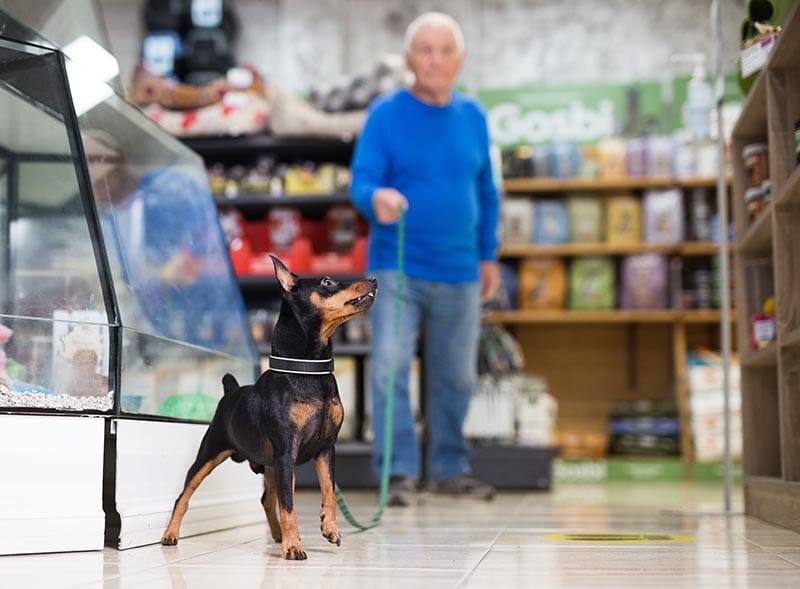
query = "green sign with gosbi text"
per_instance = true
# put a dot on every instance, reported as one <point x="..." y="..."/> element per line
<point x="582" y="114"/>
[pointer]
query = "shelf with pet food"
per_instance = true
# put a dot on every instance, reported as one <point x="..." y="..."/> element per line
<point x="545" y="185"/>
<point x="766" y="179"/>
<point x="687" y="248"/>
<point x="563" y="316"/>
<point x="626" y="282"/>
<point x="261" y="201"/>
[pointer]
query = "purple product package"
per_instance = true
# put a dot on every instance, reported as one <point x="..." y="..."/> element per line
<point x="645" y="283"/>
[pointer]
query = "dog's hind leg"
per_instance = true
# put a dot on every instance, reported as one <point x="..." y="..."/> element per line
<point x="212" y="453"/>
<point x="269" y="501"/>
<point x="327" y="517"/>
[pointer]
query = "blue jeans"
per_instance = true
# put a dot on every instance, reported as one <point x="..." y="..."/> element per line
<point x="449" y="316"/>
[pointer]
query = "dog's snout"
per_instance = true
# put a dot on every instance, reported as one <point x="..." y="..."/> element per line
<point x="373" y="280"/>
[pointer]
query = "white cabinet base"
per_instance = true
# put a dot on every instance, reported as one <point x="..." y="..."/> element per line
<point x="152" y="459"/>
<point x="51" y="484"/>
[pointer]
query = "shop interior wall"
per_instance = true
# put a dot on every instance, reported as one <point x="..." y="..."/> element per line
<point x="298" y="45"/>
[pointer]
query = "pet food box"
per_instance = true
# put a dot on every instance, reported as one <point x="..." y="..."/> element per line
<point x="623" y="220"/>
<point x="542" y="283"/>
<point x="551" y="222"/>
<point x="585" y="215"/>
<point x="663" y="216"/>
<point x="517" y="221"/>
<point x="592" y="283"/>
<point x="645" y="283"/>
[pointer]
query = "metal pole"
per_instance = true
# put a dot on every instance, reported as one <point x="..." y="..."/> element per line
<point x="724" y="257"/>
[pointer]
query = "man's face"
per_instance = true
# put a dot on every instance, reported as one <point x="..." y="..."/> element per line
<point x="435" y="59"/>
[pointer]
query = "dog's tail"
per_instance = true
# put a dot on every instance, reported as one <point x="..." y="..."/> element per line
<point x="229" y="383"/>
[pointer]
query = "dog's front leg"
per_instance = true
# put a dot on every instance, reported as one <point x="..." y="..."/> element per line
<point x="324" y="463"/>
<point x="285" y="481"/>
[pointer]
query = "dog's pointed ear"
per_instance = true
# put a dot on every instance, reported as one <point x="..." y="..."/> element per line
<point x="282" y="273"/>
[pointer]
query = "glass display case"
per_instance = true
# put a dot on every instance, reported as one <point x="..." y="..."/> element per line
<point x="116" y="291"/>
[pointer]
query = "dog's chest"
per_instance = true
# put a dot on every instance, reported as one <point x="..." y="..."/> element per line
<point x="317" y="420"/>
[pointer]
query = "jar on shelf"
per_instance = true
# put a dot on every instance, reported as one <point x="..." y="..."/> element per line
<point x="754" y="200"/>
<point x="756" y="161"/>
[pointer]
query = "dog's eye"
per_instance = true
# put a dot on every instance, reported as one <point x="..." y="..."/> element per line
<point x="328" y="282"/>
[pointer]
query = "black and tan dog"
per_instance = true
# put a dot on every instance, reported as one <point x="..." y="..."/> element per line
<point x="291" y="414"/>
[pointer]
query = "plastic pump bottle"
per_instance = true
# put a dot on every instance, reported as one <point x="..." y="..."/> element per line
<point x="699" y="99"/>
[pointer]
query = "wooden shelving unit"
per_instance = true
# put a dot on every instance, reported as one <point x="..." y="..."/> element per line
<point x="614" y="316"/>
<point x="616" y="346"/>
<point x="771" y="376"/>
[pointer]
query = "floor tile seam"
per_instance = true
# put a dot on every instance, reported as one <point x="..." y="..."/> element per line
<point x="467" y="575"/>
<point x="782" y="557"/>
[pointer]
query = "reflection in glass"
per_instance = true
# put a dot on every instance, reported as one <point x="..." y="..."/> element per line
<point x="121" y="281"/>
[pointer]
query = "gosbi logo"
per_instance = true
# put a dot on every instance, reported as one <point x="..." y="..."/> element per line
<point x="509" y="124"/>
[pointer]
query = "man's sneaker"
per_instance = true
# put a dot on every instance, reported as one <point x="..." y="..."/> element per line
<point x="402" y="491"/>
<point x="463" y="486"/>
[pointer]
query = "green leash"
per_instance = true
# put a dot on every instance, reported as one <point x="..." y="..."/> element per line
<point x="389" y="411"/>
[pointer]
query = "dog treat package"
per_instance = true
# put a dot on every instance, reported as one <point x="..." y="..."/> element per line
<point x="550" y="221"/>
<point x="659" y="156"/>
<point x="542" y="283"/>
<point x="341" y="225"/>
<point x="623" y="220"/>
<point x="663" y="216"/>
<point x="585" y="218"/>
<point x="645" y="283"/>
<point x="636" y="156"/>
<point x="284" y="224"/>
<point x="564" y="160"/>
<point x="592" y="283"/>
<point x="517" y="221"/>
<point x="611" y="155"/>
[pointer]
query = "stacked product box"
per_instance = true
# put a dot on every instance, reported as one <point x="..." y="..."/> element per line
<point x="706" y="400"/>
<point x="536" y="412"/>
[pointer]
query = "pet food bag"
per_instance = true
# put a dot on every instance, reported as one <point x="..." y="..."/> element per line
<point x="623" y="220"/>
<point x="542" y="283"/>
<point x="611" y="155"/>
<point x="645" y="283"/>
<point x="517" y="221"/>
<point x="550" y="221"/>
<point x="585" y="218"/>
<point x="663" y="216"/>
<point x="591" y="283"/>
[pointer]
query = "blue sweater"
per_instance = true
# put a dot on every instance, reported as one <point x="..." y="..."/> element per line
<point x="438" y="158"/>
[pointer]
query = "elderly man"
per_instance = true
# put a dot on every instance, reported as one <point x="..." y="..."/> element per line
<point x="425" y="150"/>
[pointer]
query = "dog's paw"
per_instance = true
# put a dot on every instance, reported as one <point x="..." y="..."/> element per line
<point x="294" y="553"/>
<point x="169" y="540"/>
<point x="331" y="534"/>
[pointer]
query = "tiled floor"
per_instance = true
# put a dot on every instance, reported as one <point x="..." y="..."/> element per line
<point x="441" y="543"/>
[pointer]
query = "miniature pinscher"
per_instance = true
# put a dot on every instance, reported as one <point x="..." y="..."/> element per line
<point x="291" y="414"/>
